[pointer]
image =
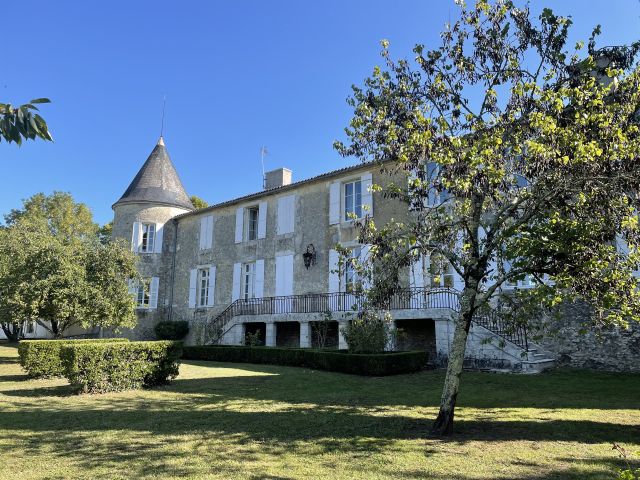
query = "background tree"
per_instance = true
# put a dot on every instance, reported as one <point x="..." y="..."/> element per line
<point x="105" y="232"/>
<point x="198" y="202"/>
<point x="56" y="271"/>
<point x="521" y="159"/>
<point x="18" y="123"/>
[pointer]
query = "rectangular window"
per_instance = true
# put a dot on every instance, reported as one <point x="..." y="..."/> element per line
<point x="31" y="327"/>
<point x="148" y="238"/>
<point x="143" y="294"/>
<point x="253" y="213"/>
<point x="248" y="281"/>
<point x="352" y="200"/>
<point x="352" y="280"/>
<point x="440" y="272"/>
<point x="203" y="287"/>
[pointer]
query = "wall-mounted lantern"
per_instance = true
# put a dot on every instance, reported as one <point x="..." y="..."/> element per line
<point x="309" y="256"/>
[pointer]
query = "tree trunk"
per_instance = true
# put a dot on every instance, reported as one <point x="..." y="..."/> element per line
<point x="443" y="424"/>
<point x="12" y="331"/>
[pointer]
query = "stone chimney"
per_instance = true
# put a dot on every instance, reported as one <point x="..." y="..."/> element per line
<point x="277" y="178"/>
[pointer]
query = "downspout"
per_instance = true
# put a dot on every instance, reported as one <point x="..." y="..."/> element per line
<point x="173" y="267"/>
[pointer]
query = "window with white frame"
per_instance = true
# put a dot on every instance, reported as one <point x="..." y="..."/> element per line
<point x="440" y="272"/>
<point x="203" y="287"/>
<point x="352" y="279"/>
<point x="251" y="222"/>
<point x="248" y="281"/>
<point x="352" y="200"/>
<point x="143" y="294"/>
<point x="147" y="244"/>
<point x="31" y="327"/>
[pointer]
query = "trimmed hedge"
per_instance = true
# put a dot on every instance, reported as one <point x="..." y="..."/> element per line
<point x="376" y="364"/>
<point x="41" y="358"/>
<point x="171" y="330"/>
<point x="113" y="367"/>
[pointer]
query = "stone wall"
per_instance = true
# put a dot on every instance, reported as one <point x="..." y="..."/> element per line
<point x="576" y="343"/>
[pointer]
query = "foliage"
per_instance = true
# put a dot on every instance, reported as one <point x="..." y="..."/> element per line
<point x="198" y="203"/>
<point x="628" y="473"/>
<point x="370" y="332"/>
<point x="166" y="330"/>
<point x="105" y="232"/>
<point x="18" y="123"/>
<point x="41" y="358"/>
<point x="321" y="329"/>
<point x="112" y="367"/>
<point x="376" y="364"/>
<point x="253" y="339"/>
<point x="521" y="160"/>
<point x="322" y="424"/>
<point x="54" y="270"/>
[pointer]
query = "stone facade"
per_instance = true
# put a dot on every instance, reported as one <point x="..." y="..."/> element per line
<point x="253" y="247"/>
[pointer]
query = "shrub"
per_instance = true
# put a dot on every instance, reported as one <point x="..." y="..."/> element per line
<point x="369" y="333"/>
<point x="336" y="361"/>
<point x="113" y="367"/>
<point x="41" y="358"/>
<point x="172" y="330"/>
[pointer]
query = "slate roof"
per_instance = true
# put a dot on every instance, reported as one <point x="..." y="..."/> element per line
<point x="157" y="182"/>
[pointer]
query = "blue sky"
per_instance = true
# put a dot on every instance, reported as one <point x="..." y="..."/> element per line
<point x="237" y="75"/>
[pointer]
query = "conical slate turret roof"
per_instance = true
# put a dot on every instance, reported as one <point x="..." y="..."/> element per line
<point x="157" y="182"/>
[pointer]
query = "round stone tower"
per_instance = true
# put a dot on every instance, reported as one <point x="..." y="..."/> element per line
<point x="143" y="216"/>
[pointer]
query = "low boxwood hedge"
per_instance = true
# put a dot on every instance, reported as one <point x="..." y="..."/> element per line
<point x="174" y="330"/>
<point x="377" y="364"/>
<point x="41" y="358"/>
<point x="113" y="367"/>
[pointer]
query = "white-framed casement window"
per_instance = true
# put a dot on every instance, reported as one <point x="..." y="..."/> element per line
<point x="145" y="292"/>
<point x="440" y="272"/>
<point x="30" y="328"/>
<point x="251" y="222"/>
<point x="148" y="238"/>
<point x="352" y="200"/>
<point x="202" y="286"/>
<point x="248" y="281"/>
<point x="352" y="280"/>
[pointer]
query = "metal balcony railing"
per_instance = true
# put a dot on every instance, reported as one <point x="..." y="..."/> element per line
<point x="407" y="299"/>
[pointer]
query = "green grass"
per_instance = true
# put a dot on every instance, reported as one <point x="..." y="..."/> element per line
<point x="246" y="421"/>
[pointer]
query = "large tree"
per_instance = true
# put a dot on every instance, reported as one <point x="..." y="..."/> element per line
<point x="56" y="270"/>
<point x="522" y="159"/>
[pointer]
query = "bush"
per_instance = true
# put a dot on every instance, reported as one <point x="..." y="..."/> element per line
<point x="113" y="367"/>
<point x="369" y="333"/>
<point x="41" y="358"/>
<point x="335" y="361"/>
<point x="171" y="330"/>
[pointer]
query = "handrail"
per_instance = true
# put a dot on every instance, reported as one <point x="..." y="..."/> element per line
<point x="406" y="299"/>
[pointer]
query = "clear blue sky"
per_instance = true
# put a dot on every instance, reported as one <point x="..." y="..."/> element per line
<point x="237" y="75"/>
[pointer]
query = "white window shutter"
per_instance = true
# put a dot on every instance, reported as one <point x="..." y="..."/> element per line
<point x="334" y="203"/>
<point x="203" y="232"/>
<point x="286" y="214"/>
<point x="153" y="292"/>
<point x="417" y="272"/>
<point x="157" y="245"/>
<point x="193" y="285"/>
<point x="364" y="257"/>
<point x="367" y="196"/>
<point x="212" y="222"/>
<point x="259" y="280"/>
<point x="206" y="232"/>
<point x="212" y="286"/>
<point x="262" y="220"/>
<point x="136" y="238"/>
<point x="284" y="275"/>
<point x="237" y="274"/>
<point x="133" y="287"/>
<point x="239" y="224"/>
<point x="334" y="274"/>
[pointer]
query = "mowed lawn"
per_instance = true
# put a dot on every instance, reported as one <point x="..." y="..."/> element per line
<point x="247" y="421"/>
